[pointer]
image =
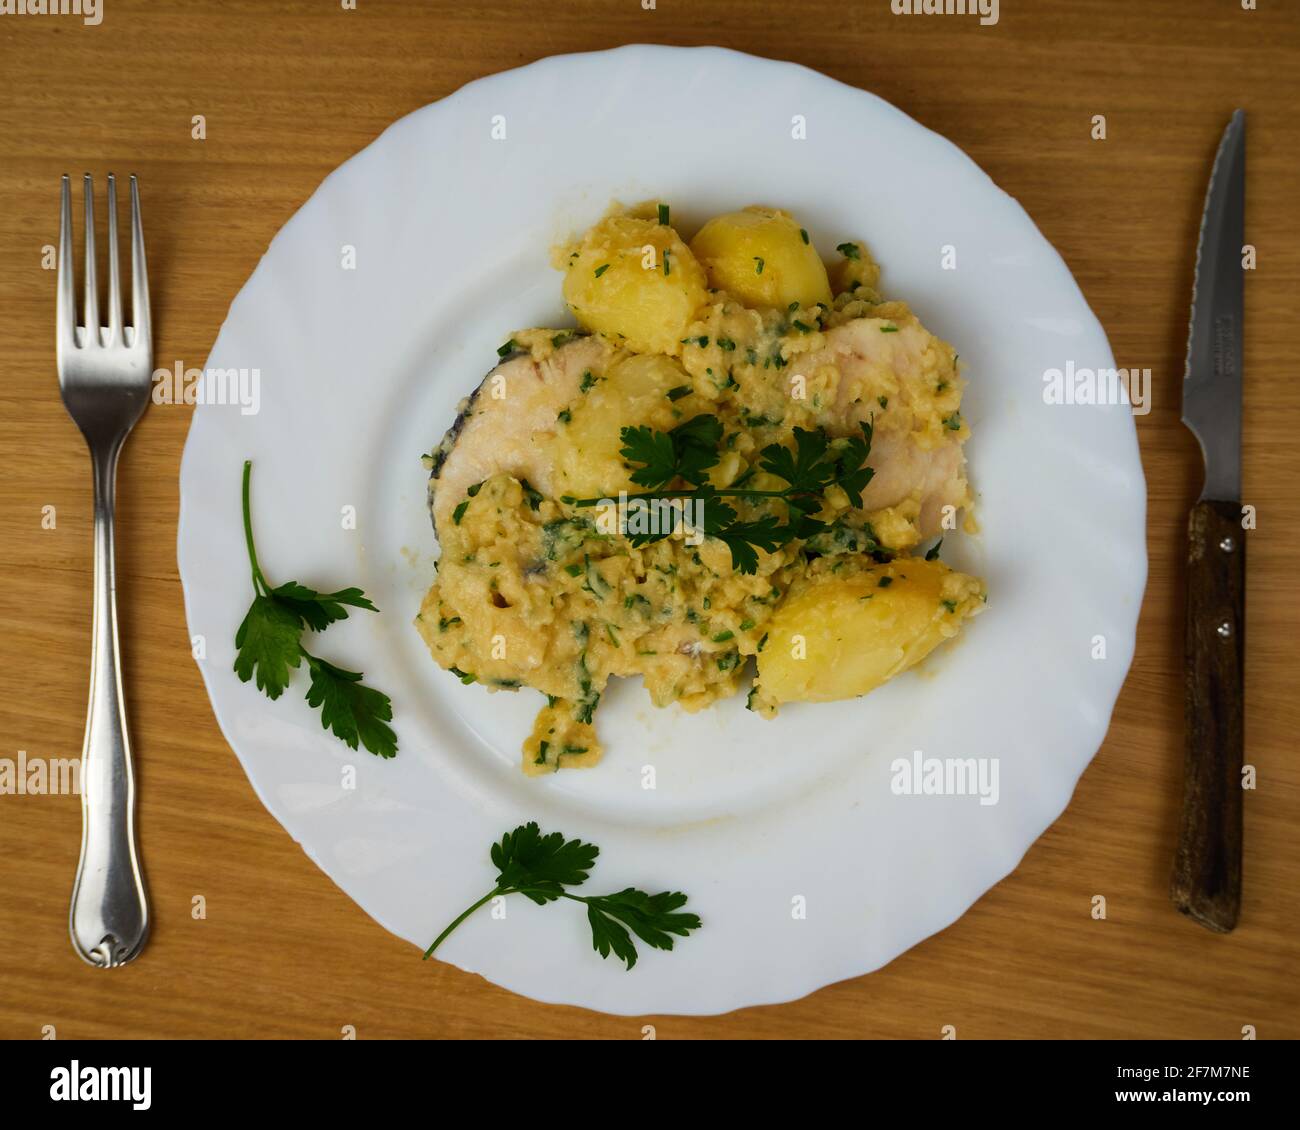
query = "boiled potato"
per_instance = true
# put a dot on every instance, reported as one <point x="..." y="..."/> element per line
<point x="634" y="278"/>
<point x="584" y="454"/>
<point x="763" y="257"/>
<point x="838" y="637"/>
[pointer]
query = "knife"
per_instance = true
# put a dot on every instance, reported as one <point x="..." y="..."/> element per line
<point x="1206" y="882"/>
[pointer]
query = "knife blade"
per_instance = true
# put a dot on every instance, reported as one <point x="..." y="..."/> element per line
<point x="1206" y="883"/>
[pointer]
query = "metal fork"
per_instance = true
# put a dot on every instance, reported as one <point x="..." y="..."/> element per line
<point x="105" y="376"/>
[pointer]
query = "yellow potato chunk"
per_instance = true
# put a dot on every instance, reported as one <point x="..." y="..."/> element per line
<point x="584" y="454"/>
<point x="763" y="258"/>
<point x="632" y="278"/>
<point x="839" y="637"/>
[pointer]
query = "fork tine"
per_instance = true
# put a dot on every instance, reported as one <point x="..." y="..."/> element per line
<point x="139" y="273"/>
<point x="114" y="270"/>
<point x="66" y="309"/>
<point x="92" y="284"/>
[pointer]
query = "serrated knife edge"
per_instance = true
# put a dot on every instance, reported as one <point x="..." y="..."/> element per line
<point x="1238" y="117"/>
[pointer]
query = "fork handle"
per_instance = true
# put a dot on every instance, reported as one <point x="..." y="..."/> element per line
<point x="1206" y="882"/>
<point x="109" y="919"/>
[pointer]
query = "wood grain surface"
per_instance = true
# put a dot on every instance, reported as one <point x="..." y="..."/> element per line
<point x="291" y="89"/>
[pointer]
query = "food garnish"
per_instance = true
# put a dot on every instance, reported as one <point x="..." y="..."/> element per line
<point x="545" y="868"/>
<point x="269" y="648"/>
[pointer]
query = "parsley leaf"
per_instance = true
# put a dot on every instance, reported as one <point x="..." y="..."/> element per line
<point x="543" y="867"/>
<point x="652" y="448"/>
<point x="816" y="463"/>
<point x="269" y="648"/>
<point x="650" y="918"/>
<point x="350" y="709"/>
<point x="767" y="533"/>
<point x="687" y="452"/>
<point x="267" y="645"/>
<point x="320" y="610"/>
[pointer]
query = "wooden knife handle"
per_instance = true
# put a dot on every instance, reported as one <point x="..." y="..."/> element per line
<point x="1206" y="883"/>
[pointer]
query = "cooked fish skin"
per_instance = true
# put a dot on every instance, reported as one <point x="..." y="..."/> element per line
<point x="497" y="426"/>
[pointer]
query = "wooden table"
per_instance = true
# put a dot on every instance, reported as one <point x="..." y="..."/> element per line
<point x="288" y="91"/>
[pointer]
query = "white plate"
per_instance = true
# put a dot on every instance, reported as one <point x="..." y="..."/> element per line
<point x="360" y="374"/>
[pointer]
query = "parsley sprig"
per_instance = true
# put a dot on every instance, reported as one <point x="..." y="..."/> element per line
<point x="269" y="648"/>
<point x="542" y="868"/>
<point x="687" y="453"/>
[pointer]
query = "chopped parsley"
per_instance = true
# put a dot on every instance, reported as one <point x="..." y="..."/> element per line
<point x="533" y="496"/>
